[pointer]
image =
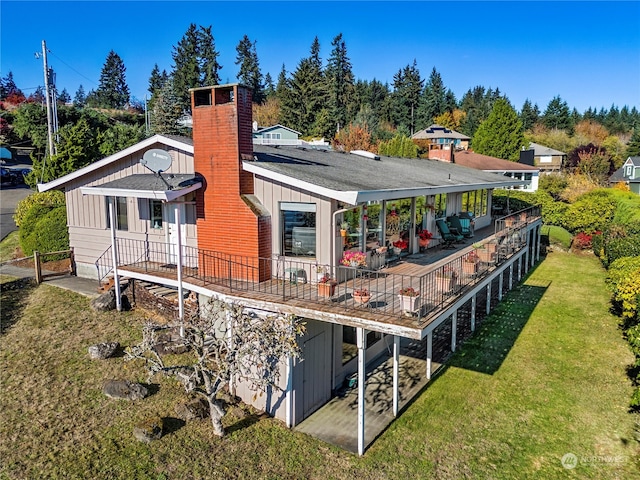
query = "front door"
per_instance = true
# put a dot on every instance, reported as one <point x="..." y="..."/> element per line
<point x="172" y="233"/>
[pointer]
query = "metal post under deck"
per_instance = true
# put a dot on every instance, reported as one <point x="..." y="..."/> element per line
<point x="114" y="254"/>
<point x="362" y="344"/>
<point x="396" y="369"/>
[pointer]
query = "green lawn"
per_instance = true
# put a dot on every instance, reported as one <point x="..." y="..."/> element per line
<point x="544" y="376"/>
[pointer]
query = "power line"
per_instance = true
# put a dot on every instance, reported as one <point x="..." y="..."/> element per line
<point x="69" y="66"/>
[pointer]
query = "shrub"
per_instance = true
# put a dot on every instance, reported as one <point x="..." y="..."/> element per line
<point x="582" y="241"/>
<point x="51" y="199"/>
<point x="44" y="229"/>
<point x="623" y="279"/>
<point x="590" y="212"/>
<point x="618" y="247"/>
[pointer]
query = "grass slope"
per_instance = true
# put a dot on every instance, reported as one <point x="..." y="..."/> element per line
<point x="542" y="377"/>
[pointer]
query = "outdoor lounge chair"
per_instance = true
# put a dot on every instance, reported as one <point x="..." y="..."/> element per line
<point x="456" y="222"/>
<point x="449" y="235"/>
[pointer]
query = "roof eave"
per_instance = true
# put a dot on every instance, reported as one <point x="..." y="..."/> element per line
<point x="164" y="195"/>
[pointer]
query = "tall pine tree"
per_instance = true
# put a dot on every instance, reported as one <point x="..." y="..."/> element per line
<point x="407" y="85"/>
<point x="249" y="74"/>
<point x="340" y="82"/>
<point x="529" y="115"/>
<point x="113" y="91"/>
<point x="557" y="115"/>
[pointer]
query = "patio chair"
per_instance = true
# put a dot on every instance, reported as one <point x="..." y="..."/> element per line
<point x="449" y="236"/>
<point x="456" y="222"/>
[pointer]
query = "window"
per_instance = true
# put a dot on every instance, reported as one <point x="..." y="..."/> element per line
<point x="155" y="207"/>
<point x="350" y="343"/>
<point x="628" y="174"/>
<point x="298" y="229"/>
<point x="120" y="212"/>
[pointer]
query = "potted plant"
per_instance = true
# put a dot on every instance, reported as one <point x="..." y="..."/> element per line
<point x="399" y="245"/>
<point x="424" y="237"/>
<point x="408" y="297"/>
<point x="326" y="286"/>
<point x="446" y="278"/>
<point x="344" y="226"/>
<point x="470" y="263"/>
<point x="321" y="271"/>
<point x="354" y="259"/>
<point x="361" y="295"/>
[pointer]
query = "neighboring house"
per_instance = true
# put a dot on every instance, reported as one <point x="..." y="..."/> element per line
<point x="628" y="173"/>
<point x="255" y="224"/>
<point x="275" y="135"/>
<point x="509" y="169"/>
<point x="442" y="141"/>
<point x="546" y="159"/>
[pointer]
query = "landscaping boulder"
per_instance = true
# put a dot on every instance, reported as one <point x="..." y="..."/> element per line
<point x="149" y="429"/>
<point x="105" y="302"/>
<point x="195" y="409"/>
<point x="102" y="351"/>
<point x="170" y="342"/>
<point x="125" y="390"/>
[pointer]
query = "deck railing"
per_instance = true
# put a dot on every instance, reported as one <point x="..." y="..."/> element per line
<point x="291" y="279"/>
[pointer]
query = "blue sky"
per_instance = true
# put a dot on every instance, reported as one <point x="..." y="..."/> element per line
<point x="586" y="52"/>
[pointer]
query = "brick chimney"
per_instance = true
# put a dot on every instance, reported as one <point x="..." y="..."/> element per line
<point x="230" y="219"/>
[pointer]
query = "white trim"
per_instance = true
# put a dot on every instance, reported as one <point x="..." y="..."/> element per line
<point x="164" y="195"/>
<point x="43" y="187"/>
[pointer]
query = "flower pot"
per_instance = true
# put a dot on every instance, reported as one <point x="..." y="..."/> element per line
<point x="445" y="284"/>
<point x="408" y="304"/>
<point x="469" y="268"/>
<point x="424" y="243"/>
<point x="343" y="233"/>
<point x="326" y="289"/>
<point x="397" y="250"/>
<point x="361" y="299"/>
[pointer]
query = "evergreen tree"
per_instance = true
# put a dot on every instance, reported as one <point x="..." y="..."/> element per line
<point x="64" y="97"/>
<point x="434" y="99"/>
<point x="340" y="83"/>
<point x="113" y="91"/>
<point x="157" y="81"/>
<point x="407" y="86"/>
<point x="529" y="115"/>
<point x="501" y="134"/>
<point x="166" y="111"/>
<point x="8" y="87"/>
<point x="633" y="147"/>
<point x="477" y="103"/>
<point x="80" y="97"/>
<point x="249" y="74"/>
<point x="186" y="67"/>
<point x="208" y="58"/>
<point x="269" y="87"/>
<point x="557" y="115"/>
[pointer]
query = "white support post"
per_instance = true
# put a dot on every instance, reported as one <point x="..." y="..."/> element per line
<point x="510" y="276"/>
<point x="454" y="330"/>
<point x="526" y="258"/>
<point x="396" y="372"/>
<point x="488" y="297"/>
<point x="114" y="253"/>
<point x="473" y="313"/>
<point x="537" y="235"/>
<point x="500" y="281"/>
<point x="429" y="353"/>
<point x="519" y="269"/>
<point x="288" y="395"/>
<point x="179" y="272"/>
<point x="362" y="344"/>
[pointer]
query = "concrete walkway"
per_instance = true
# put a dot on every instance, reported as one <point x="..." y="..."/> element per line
<point x="83" y="286"/>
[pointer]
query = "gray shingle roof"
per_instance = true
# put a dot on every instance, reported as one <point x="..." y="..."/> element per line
<point x="343" y="172"/>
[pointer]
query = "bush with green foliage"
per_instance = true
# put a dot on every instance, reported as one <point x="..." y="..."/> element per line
<point x="44" y="228"/>
<point x="51" y="199"/>
<point x="618" y="247"/>
<point x="399" y="146"/>
<point x="590" y="212"/>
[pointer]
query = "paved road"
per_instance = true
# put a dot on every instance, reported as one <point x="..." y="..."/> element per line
<point x="9" y="197"/>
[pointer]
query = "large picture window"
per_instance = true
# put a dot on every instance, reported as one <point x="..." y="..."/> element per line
<point x="298" y="229"/>
<point x="120" y="212"/>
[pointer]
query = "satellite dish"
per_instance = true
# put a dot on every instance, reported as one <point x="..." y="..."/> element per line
<point x="156" y="160"/>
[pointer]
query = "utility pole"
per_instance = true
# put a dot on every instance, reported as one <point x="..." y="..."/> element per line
<point x="48" y="98"/>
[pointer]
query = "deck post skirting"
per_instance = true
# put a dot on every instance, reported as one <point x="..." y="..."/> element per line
<point x="396" y="371"/>
<point x="429" y="354"/>
<point x="362" y="346"/>
<point x="473" y="312"/>
<point x="454" y="330"/>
